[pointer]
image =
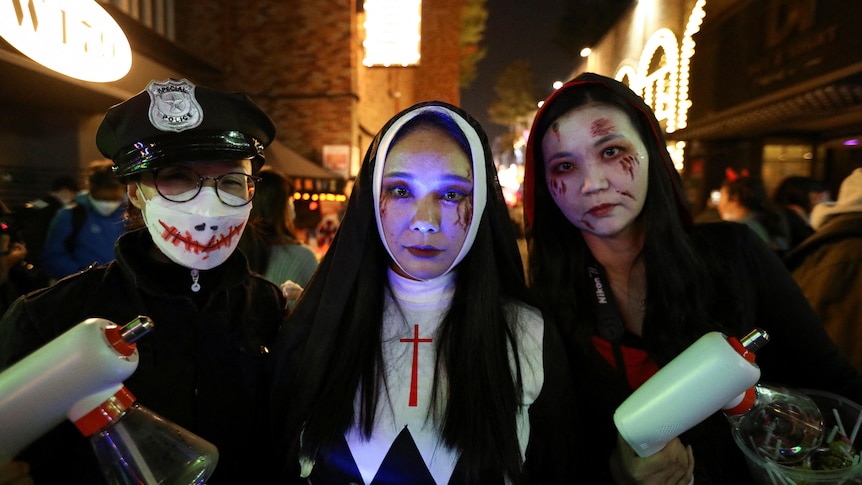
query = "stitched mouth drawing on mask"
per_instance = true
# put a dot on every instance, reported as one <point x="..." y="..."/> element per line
<point x="175" y="237"/>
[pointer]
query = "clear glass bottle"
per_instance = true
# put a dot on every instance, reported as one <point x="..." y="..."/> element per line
<point x="135" y="446"/>
<point x="784" y="425"/>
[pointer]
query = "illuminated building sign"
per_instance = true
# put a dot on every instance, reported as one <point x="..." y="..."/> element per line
<point x="662" y="77"/>
<point x="77" y="38"/>
<point x="392" y="32"/>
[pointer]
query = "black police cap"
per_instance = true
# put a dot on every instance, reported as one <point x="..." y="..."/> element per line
<point x="175" y="121"/>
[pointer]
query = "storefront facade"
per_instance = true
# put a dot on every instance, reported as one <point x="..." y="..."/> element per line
<point x="301" y="60"/>
<point x="769" y="86"/>
<point x="49" y="119"/>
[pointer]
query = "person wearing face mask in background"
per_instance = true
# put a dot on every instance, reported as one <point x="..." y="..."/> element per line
<point x="414" y="355"/>
<point x="85" y="233"/>
<point x="188" y="156"/>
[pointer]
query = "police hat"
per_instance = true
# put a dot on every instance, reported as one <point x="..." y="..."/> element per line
<point x="175" y="121"/>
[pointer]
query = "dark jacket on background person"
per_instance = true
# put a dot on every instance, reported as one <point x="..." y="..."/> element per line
<point x="828" y="268"/>
<point x="220" y="329"/>
<point x="17" y="275"/>
<point x="35" y="216"/>
<point x="35" y="219"/>
<point x="797" y="228"/>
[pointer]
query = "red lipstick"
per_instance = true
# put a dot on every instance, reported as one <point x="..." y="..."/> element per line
<point x="601" y="210"/>
<point x="424" y="251"/>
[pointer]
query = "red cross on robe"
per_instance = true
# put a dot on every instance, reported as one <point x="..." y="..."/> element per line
<point x="414" y="376"/>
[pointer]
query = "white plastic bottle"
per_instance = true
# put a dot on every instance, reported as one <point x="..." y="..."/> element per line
<point x="37" y="392"/>
<point x="716" y="372"/>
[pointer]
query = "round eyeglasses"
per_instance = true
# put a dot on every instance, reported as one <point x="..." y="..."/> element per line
<point x="182" y="184"/>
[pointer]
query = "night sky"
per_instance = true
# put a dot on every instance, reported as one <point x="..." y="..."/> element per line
<point x="535" y="30"/>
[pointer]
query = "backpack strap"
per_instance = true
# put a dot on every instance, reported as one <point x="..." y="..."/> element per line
<point x="79" y="216"/>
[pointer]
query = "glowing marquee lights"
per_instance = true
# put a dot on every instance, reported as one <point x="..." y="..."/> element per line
<point x="319" y="197"/>
<point x="664" y="84"/>
<point x="659" y="81"/>
<point x="77" y="38"/>
<point x="392" y="32"/>
<point x="687" y="52"/>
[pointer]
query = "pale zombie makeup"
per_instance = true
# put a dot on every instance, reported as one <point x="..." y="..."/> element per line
<point x="596" y="168"/>
<point x="426" y="202"/>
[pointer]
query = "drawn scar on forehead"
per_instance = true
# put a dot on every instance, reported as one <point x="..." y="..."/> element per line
<point x="555" y="128"/>
<point x="601" y="127"/>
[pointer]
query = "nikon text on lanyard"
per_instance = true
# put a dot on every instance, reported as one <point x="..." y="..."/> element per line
<point x="609" y="322"/>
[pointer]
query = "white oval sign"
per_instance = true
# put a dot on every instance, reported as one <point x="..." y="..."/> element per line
<point x="77" y="38"/>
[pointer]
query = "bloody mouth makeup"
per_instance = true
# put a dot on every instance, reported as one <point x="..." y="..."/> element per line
<point x="187" y="241"/>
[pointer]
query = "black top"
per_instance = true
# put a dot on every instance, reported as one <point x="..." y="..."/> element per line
<point x="203" y="366"/>
<point x="758" y="287"/>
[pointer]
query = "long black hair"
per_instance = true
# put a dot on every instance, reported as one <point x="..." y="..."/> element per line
<point x="268" y="223"/>
<point x="678" y="280"/>
<point x="331" y="346"/>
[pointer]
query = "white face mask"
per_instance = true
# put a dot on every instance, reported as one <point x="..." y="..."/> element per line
<point x="105" y="207"/>
<point x="199" y="234"/>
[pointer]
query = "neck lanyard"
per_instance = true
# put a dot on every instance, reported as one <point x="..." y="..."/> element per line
<point x="609" y="322"/>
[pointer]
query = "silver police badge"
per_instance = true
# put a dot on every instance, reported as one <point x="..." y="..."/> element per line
<point x="173" y="106"/>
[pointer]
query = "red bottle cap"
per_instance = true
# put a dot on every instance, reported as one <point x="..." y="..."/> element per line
<point x="117" y="341"/>
<point x="106" y="412"/>
<point x="744" y="352"/>
<point x="747" y="402"/>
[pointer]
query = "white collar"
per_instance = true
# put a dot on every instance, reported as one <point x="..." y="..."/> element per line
<point x="439" y="289"/>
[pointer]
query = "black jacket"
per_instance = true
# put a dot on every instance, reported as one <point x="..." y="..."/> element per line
<point x="757" y="292"/>
<point x="203" y="366"/>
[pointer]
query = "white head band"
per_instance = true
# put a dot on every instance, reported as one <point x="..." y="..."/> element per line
<point x="477" y="157"/>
